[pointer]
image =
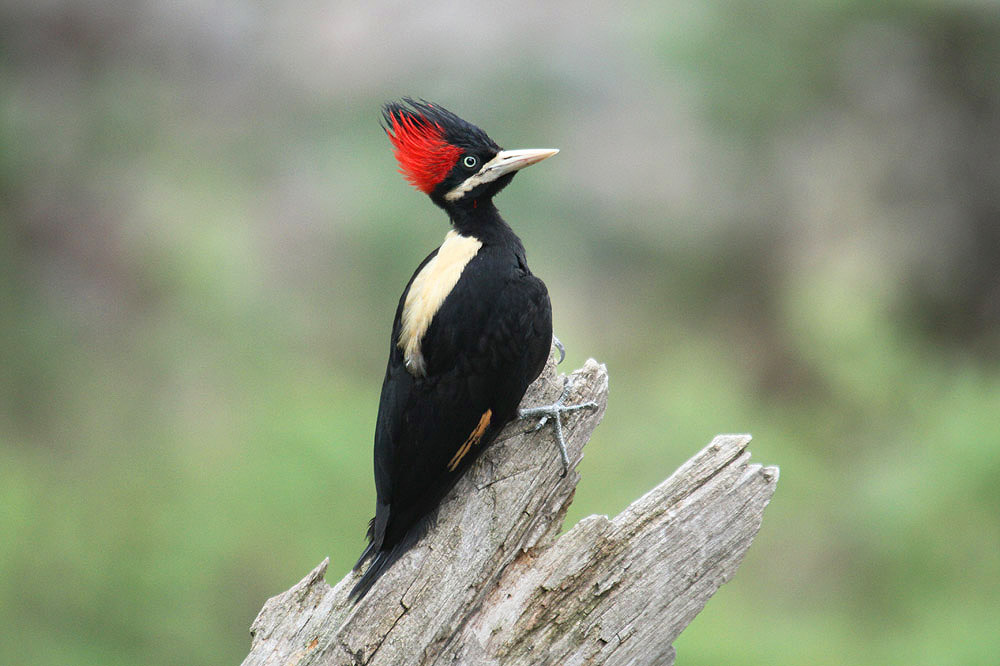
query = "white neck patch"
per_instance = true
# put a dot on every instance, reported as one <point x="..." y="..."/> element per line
<point x="466" y="185"/>
<point x="427" y="292"/>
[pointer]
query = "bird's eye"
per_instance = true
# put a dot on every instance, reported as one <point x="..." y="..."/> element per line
<point x="470" y="162"/>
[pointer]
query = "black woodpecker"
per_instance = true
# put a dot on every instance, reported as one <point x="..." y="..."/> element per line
<point x="472" y="330"/>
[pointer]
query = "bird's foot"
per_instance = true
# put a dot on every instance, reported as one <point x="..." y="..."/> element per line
<point x="555" y="412"/>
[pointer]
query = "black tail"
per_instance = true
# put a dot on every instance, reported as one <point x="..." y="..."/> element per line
<point x="374" y="544"/>
<point x="382" y="561"/>
<point x="383" y="555"/>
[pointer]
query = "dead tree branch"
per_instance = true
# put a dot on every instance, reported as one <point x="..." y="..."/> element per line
<point x="491" y="583"/>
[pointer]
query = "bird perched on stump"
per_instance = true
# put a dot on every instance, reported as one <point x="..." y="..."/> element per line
<point x="472" y="331"/>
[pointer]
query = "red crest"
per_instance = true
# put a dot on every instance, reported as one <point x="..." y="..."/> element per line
<point x="424" y="157"/>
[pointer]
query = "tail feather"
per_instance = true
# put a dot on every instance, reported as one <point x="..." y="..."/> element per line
<point x="382" y="555"/>
<point x="376" y="534"/>
<point x="382" y="561"/>
<point x="373" y="545"/>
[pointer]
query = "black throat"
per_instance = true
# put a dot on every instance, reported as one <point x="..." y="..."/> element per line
<point x="481" y="220"/>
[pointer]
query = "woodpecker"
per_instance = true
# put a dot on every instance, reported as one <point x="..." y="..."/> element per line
<point x="472" y="331"/>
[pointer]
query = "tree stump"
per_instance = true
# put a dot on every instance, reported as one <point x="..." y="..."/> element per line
<point x="492" y="584"/>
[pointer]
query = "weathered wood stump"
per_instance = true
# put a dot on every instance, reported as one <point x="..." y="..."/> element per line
<point x="492" y="584"/>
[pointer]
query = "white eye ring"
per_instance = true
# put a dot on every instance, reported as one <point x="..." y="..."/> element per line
<point x="470" y="162"/>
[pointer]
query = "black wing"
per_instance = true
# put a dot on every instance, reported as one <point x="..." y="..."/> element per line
<point x="483" y="348"/>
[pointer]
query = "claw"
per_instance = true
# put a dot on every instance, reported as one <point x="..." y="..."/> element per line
<point x="559" y="346"/>
<point x="555" y="412"/>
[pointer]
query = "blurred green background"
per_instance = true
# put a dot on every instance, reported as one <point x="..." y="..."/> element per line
<point x="780" y="218"/>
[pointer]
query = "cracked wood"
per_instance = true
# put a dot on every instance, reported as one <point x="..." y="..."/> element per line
<point x="491" y="583"/>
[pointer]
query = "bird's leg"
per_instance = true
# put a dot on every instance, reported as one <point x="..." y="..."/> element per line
<point x="559" y="346"/>
<point x="555" y="412"/>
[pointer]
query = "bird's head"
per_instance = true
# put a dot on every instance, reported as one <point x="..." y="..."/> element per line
<point x="451" y="160"/>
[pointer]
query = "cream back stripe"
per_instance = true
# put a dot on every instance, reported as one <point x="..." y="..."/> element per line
<point x="427" y="292"/>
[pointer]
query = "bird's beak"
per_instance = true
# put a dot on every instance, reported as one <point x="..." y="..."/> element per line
<point x="513" y="160"/>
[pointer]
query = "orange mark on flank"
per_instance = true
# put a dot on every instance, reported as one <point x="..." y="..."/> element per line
<point x="477" y="434"/>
